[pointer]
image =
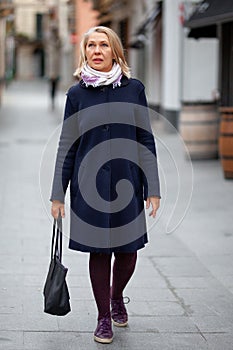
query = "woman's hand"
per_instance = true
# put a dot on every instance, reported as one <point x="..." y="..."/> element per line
<point x="57" y="207"/>
<point x="155" y="202"/>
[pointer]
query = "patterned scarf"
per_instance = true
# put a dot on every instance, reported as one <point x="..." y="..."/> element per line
<point x="96" y="78"/>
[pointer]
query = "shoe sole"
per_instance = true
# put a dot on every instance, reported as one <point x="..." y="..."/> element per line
<point x="119" y="324"/>
<point x="102" y="340"/>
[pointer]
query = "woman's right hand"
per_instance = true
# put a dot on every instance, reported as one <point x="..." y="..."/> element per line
<point x="57" y="207"/>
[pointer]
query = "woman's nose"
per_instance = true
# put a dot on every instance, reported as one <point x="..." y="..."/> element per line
<point x="97" y="49"/>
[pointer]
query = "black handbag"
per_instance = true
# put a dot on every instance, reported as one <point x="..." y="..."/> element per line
<point x="56" y="294"/>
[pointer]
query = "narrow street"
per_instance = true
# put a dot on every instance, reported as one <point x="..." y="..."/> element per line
<point x="182" y="291"/>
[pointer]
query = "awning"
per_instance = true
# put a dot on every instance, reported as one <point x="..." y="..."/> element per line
<point x="151" y="21"/>
<point x="211" y="12"/>
<point x="203" y="32"/>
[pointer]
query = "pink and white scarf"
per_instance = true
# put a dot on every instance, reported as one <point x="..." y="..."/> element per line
<point x="96" y="78"/>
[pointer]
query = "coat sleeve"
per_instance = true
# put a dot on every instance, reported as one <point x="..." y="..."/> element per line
<point x="147" y="149"/>
<point x="66" y="152"/>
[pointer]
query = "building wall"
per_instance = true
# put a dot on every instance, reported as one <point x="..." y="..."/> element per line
<point x="25" y="23"/>
<point x="86" y="18"/>
<point x="2" y="47"/>
<point x="171" y="56"/>
<point x="154" y="65"/>
<point x="25" y="16"/>
<point x="6" y="44"/>
<point x="137" y="10"/>
<point x="146" y="63"/>
<point x="2" y="55"/>
<point x="67" y="51"/>
<point x="200" y="79"/>
<point x="173" y="68"/>
<point x="27" y="63"/>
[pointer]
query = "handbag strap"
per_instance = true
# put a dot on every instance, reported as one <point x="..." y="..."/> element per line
<point x="56" y="246"/>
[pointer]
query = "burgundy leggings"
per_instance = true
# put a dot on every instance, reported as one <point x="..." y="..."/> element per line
<point x="100" y="274"/>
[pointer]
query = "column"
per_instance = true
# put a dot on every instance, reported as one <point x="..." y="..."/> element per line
<point x="171" y="61"/>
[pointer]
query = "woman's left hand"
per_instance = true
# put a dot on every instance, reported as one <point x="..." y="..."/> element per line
<point x="155" y="202"/>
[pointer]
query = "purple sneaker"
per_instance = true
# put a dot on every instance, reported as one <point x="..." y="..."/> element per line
<point x="103" y="333"/>
<point x="119" y="313"/>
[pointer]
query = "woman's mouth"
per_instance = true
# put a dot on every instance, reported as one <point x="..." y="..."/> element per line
<point x="97" y="60"/>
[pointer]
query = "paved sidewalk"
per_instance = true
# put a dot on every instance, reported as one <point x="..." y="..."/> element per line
<point x="181" y="293"/>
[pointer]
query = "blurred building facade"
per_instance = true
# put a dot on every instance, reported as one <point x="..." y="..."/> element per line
<point x="6" y="42"/>
<point x="85" y="18"/>
<point x="214" y="19"/>
<point x="29" y="34"/>
<point x="36" y="21"/>
<point x="39" y="51"/>
<point x="173" y="67"/>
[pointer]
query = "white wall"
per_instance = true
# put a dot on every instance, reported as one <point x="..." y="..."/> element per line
<point x="200" y="77"/>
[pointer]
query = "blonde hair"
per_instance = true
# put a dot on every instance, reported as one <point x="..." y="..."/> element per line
<point x="115" y="44"/>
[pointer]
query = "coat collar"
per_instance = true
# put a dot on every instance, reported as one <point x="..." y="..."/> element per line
<point x="124" y="82"/>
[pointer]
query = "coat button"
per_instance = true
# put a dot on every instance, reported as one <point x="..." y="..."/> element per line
<point x="105" y="127"/>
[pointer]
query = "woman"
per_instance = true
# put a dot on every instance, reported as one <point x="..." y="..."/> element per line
<point x="106" y="139"/>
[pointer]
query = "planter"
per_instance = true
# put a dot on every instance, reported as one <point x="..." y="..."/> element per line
<point x="199" y="128"/>
<point x="226" y="141"/>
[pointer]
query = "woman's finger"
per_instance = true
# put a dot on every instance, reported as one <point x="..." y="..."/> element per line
<point x="155" y="207"/>
<point x="153" y="213"/>
<point x="55" y="212"/>
<point x="62" y="211"/>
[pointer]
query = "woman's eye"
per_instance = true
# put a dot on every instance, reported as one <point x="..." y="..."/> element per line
<point x="90" y="45"/>
<point x="105" y="45"/>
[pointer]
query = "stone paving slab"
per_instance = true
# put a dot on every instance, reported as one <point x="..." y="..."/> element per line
<point x="10" y="340"/>
<point x="215" y="341"/>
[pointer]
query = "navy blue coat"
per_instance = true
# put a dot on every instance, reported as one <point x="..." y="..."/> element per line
<point x="106" y="142"/>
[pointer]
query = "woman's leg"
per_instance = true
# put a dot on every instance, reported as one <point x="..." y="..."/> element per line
<point x="123" y="268"/>
<point x="100" y="271"/>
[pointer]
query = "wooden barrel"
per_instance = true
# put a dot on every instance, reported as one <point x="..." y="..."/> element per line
<point x="226" y="141"/>
<point x="199" y="128"/>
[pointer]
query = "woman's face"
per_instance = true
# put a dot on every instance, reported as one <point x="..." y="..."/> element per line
<point x="98" y="52"/>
